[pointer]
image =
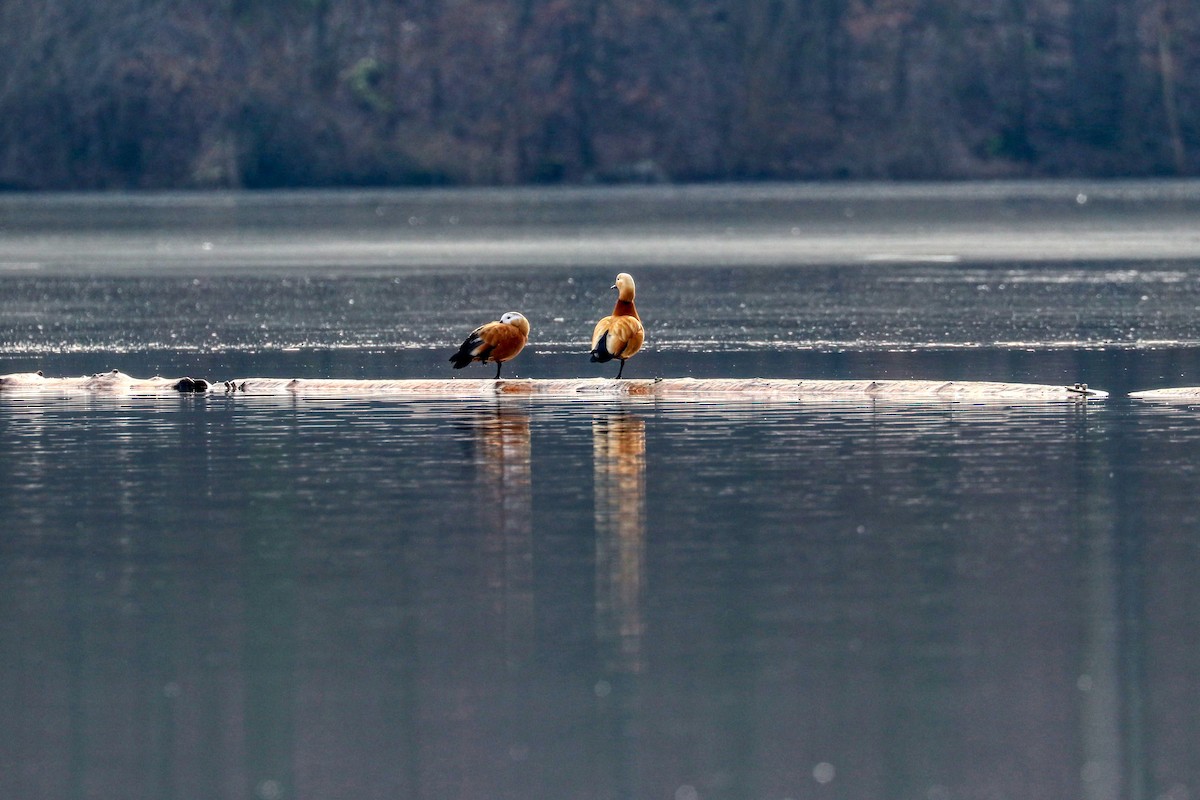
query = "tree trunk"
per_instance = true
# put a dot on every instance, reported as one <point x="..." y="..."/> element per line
<point x="1166" y="71"/>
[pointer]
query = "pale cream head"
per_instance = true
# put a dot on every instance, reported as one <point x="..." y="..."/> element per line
<point x="625" y="286"/>
<point x="517" y="320"/>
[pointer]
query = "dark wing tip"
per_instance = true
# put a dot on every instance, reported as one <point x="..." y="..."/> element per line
<point x="600" y="351"/>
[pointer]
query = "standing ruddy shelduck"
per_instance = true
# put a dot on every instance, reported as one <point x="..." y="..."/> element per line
<point x="621" y="334"/>
<point x="498" y="341"/>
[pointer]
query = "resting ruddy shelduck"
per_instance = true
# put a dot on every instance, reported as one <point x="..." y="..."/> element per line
<point x="621" y="334"/>
<point x="497" y="341"/>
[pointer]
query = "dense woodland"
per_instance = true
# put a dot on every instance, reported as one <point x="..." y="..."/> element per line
<point x="267" y="93"/>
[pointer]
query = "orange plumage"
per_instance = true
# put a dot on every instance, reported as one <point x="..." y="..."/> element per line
<point x="619" y="335"/>
<point x="497" y="341"/>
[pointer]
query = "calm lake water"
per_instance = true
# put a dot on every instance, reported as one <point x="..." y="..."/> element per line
<point x="373" y="597"/>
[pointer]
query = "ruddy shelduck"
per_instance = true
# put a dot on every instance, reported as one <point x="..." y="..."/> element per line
<point x="619" y="335"/>
<point x="497" y="341"/>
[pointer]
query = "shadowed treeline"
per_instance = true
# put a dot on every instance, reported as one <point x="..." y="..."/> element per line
<point x="248" y="93"/>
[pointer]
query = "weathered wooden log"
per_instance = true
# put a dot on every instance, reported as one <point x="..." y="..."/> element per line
<point x="114" y="381"/>
<point x="677" y="388"/>
<point x="731" y="389"/>
<point x="1180" y="394"/>
<point x="666" y="388"/>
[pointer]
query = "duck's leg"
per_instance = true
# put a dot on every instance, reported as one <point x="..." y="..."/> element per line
<point x="622" y="369"/>
<point x="499" y="364"/>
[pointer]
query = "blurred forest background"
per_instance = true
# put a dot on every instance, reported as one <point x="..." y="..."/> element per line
<point x="273" y="93"/>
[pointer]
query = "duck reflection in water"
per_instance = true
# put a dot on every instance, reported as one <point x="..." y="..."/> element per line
<point x="619" y="450"/>
<point x="503" y="458"/>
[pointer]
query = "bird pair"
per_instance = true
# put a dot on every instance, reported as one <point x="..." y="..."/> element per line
<point x="618" y="335"/>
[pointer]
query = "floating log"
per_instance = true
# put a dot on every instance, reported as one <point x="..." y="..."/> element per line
<point x="676" y="388"/>
<point x="716" y="389"/>
<point x="115" y="381"/>
<point x="1181" y="394"/>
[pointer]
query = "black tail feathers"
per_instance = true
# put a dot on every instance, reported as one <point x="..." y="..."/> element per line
<point x="600" y="352"/>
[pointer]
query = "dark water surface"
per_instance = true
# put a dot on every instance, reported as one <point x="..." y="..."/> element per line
<point x="247" y="597"/>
